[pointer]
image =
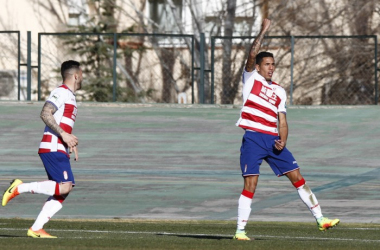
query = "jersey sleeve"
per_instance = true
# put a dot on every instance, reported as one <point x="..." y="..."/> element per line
<point x="58" y="97"/>
<point x="282" y="105"/>
<point x="248" y="80"/>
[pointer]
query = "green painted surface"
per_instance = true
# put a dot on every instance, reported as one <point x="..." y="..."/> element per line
<point x="182" y="162"/>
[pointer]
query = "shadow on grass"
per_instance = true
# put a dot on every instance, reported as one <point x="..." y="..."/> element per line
<point x="11" y="236"/>
<point x="209" y="237"/>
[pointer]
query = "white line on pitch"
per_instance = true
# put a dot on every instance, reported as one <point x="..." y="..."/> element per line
<point x="187" y="234"/>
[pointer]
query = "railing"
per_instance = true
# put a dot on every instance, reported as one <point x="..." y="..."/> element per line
<point x="171" y="68"/>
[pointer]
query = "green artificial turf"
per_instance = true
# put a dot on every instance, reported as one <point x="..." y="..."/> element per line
<point x="144" y="234"/>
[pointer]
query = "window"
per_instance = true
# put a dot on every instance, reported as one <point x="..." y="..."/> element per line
<point x="77" y="12"/>
<point x="165" y="16"/>
<point x="247" y="17"/>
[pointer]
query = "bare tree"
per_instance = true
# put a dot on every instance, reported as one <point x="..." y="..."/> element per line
<point x="331" y="71"/>
<point x="227" y="49"/>
<point x="355" y="85"/>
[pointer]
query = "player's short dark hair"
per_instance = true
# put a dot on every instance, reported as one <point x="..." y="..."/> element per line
<point x="68" y="65"/>
<point x="261" y="55"/>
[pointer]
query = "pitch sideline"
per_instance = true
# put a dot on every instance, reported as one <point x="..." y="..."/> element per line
<point x="195" y="235"/>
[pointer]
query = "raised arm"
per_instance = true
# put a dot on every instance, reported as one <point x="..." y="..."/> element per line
<point x="250" y="64"/>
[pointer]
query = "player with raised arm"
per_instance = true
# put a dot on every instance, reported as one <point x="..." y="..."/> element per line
<point x="58" y="113"/>
<point x="263" y="117"/>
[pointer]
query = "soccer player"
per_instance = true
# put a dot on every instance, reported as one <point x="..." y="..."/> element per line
<point x="263" y="117"/>
<point x="58" y="113"/>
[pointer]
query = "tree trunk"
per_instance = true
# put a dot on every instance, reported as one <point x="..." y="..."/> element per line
<point x="167" y="66"/>
<point x="227" y="48"/>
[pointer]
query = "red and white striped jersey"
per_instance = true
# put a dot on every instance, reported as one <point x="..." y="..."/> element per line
<point x="262" y="101"/>
<point x="64" y="100"/>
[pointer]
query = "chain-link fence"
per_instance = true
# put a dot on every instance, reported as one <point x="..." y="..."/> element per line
<point x="10" y="88"/>
<point x="313" y="70"/>
<point x="121" y="67"/>
<point x="159" y="68"/>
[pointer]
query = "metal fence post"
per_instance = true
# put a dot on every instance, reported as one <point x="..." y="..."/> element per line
<point x="212" y="68"/>
<point x="114" y="67"/>
<point x="291" y="69"/>
<point x="192" y="68"/>
<point x="202" y="73"/>
<point x="29" y="67"/>
<point x="18" y="66"/>
<point x="376" y="69"/>
<point x="39" y="67"/>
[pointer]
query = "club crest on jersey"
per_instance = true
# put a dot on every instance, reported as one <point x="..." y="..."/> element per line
<point x="268" y="94"/>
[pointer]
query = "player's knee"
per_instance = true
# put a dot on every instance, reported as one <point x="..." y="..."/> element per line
<point x="250" y="183"/>
<point x="66" y="188"/>
<point x="251" y="187"/>
<point x="295" y="176"/>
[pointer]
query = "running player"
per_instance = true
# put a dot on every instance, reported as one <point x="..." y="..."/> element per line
<point x="59" y="114"/>
<point x="263" y="117"/>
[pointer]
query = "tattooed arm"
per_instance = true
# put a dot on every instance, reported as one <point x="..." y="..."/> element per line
<point x="46" y="115"/>
<point x="250" y="64"/>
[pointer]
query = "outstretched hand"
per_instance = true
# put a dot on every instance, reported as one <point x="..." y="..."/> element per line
<point x="265" y="25"/>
